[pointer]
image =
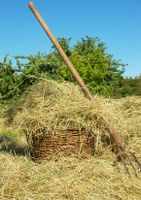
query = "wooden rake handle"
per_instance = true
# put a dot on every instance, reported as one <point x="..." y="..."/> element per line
<point x="115" y="135"/>
<point x="61" y="51"/>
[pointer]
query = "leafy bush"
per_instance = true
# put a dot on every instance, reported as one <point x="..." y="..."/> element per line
<point x="100" y="71"/>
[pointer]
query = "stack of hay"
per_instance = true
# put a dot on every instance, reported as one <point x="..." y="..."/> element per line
<point x="47" y="109"/>
<point x="54" y="111"/>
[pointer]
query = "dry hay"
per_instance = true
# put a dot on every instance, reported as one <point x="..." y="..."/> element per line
<point x="51" y="106"/>
<point x="68" y="178"/>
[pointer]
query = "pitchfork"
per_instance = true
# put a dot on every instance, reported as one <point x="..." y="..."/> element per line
<point x="122" y="154"/>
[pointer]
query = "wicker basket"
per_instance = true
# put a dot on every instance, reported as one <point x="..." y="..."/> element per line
<point x="72" y="141"/>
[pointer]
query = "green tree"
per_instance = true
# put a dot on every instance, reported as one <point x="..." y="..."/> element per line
<point x="97" y="67"/>
<point x="101" y="73"/>
<point x="8" y="79"/>
<point x="130" y="86"/>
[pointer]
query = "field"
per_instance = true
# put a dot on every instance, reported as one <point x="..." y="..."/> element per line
<point x="92" y="178"/>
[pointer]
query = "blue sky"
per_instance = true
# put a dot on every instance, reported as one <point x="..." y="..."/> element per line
<point x="116" y="22"/>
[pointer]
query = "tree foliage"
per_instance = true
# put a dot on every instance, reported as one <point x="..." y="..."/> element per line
<point x="100" y="71"/>
<point x="8" y="79"/>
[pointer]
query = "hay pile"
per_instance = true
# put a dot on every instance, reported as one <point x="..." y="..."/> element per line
<point x="50" y="106"/>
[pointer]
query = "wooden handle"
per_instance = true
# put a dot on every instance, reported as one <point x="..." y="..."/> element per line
<point x="61" y="51"/>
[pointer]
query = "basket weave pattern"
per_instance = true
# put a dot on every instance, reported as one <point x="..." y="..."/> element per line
<point x="71" y="141"/>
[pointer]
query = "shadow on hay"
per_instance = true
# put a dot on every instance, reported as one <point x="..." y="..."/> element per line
<point x="12" y="147"/>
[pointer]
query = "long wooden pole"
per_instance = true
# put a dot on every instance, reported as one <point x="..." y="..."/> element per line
<point x="115" y="135"/>
<point x="60" y="50"/>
